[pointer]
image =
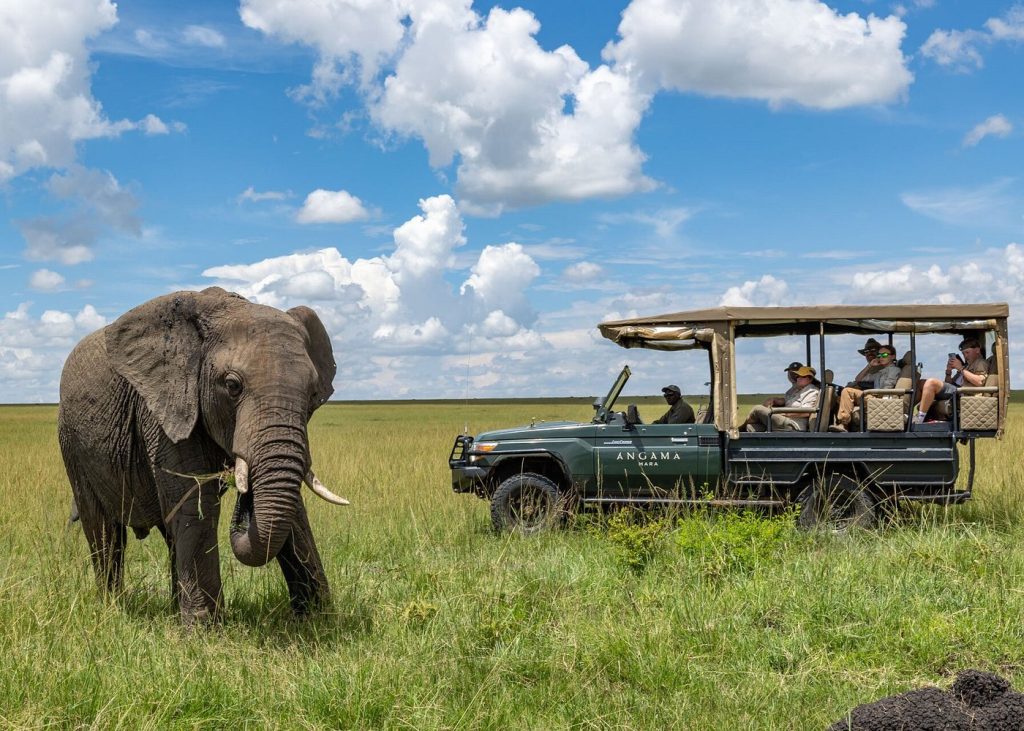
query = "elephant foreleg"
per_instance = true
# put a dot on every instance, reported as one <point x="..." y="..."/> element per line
<point x="191" y="536"/>
<point x="303" y="571"/>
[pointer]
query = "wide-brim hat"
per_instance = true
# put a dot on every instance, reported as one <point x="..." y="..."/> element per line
<point x="805" y="371"/>
<point x="671" y="389"/>
<point x="870" y="346"/>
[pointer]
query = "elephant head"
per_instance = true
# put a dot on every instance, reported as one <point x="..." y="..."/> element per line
<point x="250" y="376"/>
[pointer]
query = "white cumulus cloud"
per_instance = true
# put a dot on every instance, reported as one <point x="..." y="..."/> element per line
<point x="46" y="281"/>
<point x="582" y="272"/>
<point x="768" y="291"/>
<point x="1008" y="28"/>
<point x="523" y="125"/>
<point x="500" y="278"/>
<point x="331" y="206"/>
<point x="781" y="51"/>
<point x="394" y="318"/>
<point x="955" y="48"/>
<point x="959" y="49"/>
<point x="33" y="349"/>
<point x="46" y="104"/>
<point x="995" y="126"/>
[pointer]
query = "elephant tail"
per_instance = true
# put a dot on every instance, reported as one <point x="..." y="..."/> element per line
<point x="73" y="516"/>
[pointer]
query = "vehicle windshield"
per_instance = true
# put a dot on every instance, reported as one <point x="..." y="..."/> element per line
<point x="609" y="401"/>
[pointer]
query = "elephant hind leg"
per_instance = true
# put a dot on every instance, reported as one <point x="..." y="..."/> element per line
<point x="303" y="571"/>
<point x="106" y="546"/>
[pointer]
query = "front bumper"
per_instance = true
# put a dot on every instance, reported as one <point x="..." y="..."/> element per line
<point x="468" y="479"/>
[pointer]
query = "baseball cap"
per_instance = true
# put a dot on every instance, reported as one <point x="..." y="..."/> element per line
<point x="794" y="365"/>
<point x="673" y="389"/>
<point x="805" y="371"/>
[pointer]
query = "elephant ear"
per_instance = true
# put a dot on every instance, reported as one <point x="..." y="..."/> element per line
<point x="156" y="348"/>
<point x="318" y="343"/>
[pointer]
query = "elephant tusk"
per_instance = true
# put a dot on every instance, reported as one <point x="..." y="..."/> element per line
<point x="241" y="476"/>
<point x="322" y="492"/>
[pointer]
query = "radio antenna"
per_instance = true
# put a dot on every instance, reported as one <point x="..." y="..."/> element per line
<point x="465" y="405"/>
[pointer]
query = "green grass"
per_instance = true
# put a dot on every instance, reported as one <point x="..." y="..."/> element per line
<point x="723" y="621"/>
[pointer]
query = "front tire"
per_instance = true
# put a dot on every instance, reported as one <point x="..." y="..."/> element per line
<point x="836" y="504"/>
<point x="526" y="503"/>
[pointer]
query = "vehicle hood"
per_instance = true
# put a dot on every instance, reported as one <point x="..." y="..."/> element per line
<point x="541" y="429"/>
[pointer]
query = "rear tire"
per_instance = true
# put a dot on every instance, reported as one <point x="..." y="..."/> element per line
<point x="526" y="503"/>
<point x="836" y="504"/>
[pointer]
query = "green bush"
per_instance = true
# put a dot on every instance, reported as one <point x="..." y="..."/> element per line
<point x="735" y="541"/>
<point x="636" y="537"/>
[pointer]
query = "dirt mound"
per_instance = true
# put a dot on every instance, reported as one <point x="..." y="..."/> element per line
<point x="977" y="701"/>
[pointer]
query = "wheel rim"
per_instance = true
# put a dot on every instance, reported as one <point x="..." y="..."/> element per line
<point x="839" y="511"/>
<point x="531" y="509"/>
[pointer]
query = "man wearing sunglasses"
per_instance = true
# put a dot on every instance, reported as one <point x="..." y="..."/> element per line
<point x="971" y="370"/>
<point x="885" y="375"/>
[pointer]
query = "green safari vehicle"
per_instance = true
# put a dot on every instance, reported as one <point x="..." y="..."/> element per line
<point x="534" y="475"/>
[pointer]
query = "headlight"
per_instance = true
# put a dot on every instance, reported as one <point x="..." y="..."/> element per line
<point x="480" y="448"/>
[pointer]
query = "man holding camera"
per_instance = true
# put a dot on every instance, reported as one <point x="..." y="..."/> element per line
<point x="970" y="370"/>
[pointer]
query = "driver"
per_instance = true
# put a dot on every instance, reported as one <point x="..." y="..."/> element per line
<point x="679" y="412"/>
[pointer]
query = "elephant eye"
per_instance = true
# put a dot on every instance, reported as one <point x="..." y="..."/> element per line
<point x="233" y="386"/>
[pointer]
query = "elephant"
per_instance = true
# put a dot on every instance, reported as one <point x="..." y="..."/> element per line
<point x="185" y="385"/>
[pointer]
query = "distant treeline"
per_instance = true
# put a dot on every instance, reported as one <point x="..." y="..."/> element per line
<point x="1015" y="395"/>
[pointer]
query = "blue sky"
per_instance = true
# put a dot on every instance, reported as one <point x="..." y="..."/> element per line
<point x="463" y="191"/>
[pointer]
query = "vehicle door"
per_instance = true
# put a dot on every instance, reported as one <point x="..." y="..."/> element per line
<point x="657" y="460"/>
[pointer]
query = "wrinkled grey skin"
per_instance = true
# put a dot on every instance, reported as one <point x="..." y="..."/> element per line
<point x="185" y="383"/>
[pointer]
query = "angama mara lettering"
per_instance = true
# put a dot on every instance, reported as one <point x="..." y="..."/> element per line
<point x="647" y="459"/>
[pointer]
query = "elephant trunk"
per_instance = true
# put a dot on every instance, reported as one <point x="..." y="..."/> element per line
<point x="264" y="515"/>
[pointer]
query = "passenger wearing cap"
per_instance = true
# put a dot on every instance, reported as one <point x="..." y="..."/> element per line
<point x="970" y="370"/>
<point x="679" y="412"/>
<point x="802" y="395"/>
<point x="885" y="373"/>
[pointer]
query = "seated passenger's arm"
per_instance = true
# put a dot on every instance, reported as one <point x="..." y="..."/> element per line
<point x="973" y="379"/>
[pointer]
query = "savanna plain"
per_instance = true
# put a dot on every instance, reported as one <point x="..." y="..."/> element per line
<point x="703" y="620"/>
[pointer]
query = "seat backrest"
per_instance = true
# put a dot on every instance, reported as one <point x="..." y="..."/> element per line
<point x="906" y="364"/>
<point x="903" y="383"/>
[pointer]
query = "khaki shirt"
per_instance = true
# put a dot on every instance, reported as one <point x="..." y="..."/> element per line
<point x="802" y="398"/>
